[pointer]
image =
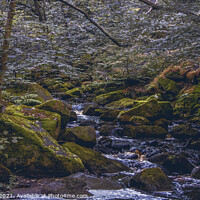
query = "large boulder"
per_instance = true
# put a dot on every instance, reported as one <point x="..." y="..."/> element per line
<point x="109" y="97"/>
<point x="144" y="131"/>
<point x="187" y="103"/>
<point x="83" y="135"/>
<point x="27" y="94"/>
<point x="59" y="107"/>
<point x="151" y="110"/>
<point x="31" y="150"/>
<point x="93" y="161"/>
<point x="152" y="179"/>
<point x="173" y="163"/>
<point x="49" y="121"/>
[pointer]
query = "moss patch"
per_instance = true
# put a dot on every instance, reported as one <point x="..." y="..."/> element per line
<point x="36" y="153"/>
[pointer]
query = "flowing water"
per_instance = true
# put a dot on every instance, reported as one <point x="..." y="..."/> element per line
<point x="125" y="151"/>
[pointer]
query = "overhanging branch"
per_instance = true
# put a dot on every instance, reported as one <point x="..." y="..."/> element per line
<point x="93" y="22"/>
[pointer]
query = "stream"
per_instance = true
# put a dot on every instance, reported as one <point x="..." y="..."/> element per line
<point x="124" y="149"/>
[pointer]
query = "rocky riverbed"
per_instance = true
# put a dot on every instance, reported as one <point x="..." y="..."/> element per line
<point x="108" y="140"/>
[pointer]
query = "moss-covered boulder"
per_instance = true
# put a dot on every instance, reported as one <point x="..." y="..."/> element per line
<point x="49" y="121"/>
<point x="151" y="110"/>
<point x="59" y="107"/>
<point x="93" y="161"/>
<point x="173" y="163"/>
<point x="109" y="97"/>
<point x="5" y="174"/>
<point x="83" y="135"/>
<point x="110" y="115"/>
<point x="122" y="103"/>
<point x="196" y="173"/>
<point x="71" y="94"/>
<point x="187" y="102"/>
<point x="138" y="120"/>
<point x="27" y="94"/>
<point x="169" y="86"/>
<point x="152" y="179"/>
<point x="185" y="131"/>
<point x="31" y="151"/>
<point x="144" y="131"/>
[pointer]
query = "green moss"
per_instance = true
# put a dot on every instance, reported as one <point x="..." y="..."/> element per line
<point x="73" y="93"/>
<point x="57" y="107"/>
<point x="144" y="131"/>
<point x="138" y="120"/>
<point x="49" y="121"/>
<point x="109" y="97"/>
<point x="188" y="103"/>
<point x="155" y="179"/>
<point x="152" y="110"/>
<point x="36" y="153"/>
<point x="122" y="103"/>
<point x="94" y="161"/>
<point x="171" y="87"/>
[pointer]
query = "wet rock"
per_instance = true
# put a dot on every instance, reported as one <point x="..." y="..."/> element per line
<point x="104" y="145"/>
<point x="73" y="93"/>
<point x="59" y="107"/>
<point x="32" y="151"/>
<point x="110" y="115"/>
<point x="90" y="109"/>
<point x="196" y="173"/>
<point x="109" y="97"/>
<point x="68" y="187"/>
<point x="94" y="161"/>
<point x="88" y="123"/>
<point x="83" y="135"/>
<point x="5" y="174"/>
<point x="151" y="110"/>
<point x="152" y="179"/>
<point x="107" y="130"/>
<point x="184" y="132"/>
<point x="73" y="116"/>
<point x="174" y="163"/>
<point x="144" y="131"/>
<point x="95" y="183"/>
<point x="191" y="191"/>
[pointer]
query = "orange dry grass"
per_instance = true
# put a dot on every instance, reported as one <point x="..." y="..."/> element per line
<point x="192" y="75"/>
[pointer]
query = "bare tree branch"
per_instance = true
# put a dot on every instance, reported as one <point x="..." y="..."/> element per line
<point x="93" y="22"/>
<point x="156" y="7"/>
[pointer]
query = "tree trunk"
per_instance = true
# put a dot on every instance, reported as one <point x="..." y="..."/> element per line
<point x="5" y="46"/>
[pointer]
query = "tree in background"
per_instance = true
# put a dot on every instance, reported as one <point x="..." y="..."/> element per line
<point x="5" y="47"/>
